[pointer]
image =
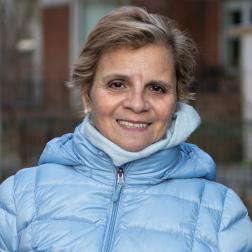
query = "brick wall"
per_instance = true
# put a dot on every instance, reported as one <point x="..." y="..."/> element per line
<point x="56" y="60"/>
<point x="199" y="17"/>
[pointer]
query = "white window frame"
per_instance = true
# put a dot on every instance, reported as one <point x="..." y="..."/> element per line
<point x="245" y="6"/>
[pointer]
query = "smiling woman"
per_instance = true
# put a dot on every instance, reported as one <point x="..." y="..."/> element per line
<point x="125" y="180"/>
<point x="133" y="96"/>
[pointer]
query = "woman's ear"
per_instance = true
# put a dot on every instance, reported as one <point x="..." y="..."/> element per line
<point x="86" y="102"/>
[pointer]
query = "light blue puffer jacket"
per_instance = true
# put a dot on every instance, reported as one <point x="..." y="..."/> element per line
<point x="77" y="200"/>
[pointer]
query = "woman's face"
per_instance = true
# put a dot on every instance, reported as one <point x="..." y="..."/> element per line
<point x="133" y="95"/>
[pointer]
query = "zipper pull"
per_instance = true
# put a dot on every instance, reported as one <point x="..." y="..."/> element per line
<point x="120" y="177"/>
<point x="119" y="184"/>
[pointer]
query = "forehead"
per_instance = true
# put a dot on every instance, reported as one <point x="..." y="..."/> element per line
<point x="149" y="59"/>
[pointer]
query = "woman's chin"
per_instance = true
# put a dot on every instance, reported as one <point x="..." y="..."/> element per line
<point x="133" y="147"/>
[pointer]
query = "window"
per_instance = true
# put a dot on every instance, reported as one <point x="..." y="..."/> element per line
<point x="85" y="14"/>
<point x="91" y="12"/>
<point x="237" y="13"/>
<point x="234" y="49"/>
<point x="235" y="17"/>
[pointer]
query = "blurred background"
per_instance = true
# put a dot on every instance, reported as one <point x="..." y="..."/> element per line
<point x="40" y="39"/>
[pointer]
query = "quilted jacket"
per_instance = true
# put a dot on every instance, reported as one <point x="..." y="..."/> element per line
<point x="77" y="200"/>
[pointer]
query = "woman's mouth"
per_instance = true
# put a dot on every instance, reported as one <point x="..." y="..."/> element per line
<point x="133" y="125"/>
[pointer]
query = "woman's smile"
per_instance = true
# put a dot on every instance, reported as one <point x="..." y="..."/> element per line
<point x="133" y="95"/>
<point x="133" y="125"/>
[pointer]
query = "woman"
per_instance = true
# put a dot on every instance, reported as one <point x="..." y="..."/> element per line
<point x="125" y="180"/>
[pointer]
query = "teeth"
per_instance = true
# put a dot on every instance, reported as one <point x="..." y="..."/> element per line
<point x="133" y="125"/>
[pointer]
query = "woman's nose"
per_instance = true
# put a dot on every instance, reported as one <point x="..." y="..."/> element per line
<point x="137" y="102"/>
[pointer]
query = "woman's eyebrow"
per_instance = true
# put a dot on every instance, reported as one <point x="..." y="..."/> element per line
<point x="162" y="82"/>
<point x="115" y="76"/>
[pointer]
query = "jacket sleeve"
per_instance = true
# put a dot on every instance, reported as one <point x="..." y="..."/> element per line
<point x="235" y="234"/>
<point x="8" y="230"/>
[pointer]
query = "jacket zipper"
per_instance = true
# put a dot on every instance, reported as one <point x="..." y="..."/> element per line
<point x="115" y="198"/>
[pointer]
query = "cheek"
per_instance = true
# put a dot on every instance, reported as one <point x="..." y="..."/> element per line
<point x="165" y="118"/>
<point x="102" y="108"/>
<point x="166" y="110"/>
<point x="95" y="103"/>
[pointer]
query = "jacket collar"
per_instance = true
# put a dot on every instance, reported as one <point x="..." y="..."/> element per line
<point x="149" y="170"/>
<point x="184" y="122"/>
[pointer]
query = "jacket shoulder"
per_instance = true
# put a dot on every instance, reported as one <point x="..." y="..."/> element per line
<point x="223" y="206"/>
<point x="222" y="218"/>
<point x="235" y="232"/>
<point x="15" y="191"/>
<point x="22" y="181"/>
<point x="18" y="192"/>
<point x="8" y="232"/>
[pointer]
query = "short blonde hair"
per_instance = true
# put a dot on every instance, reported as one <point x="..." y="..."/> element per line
<point x="134" y="27"/>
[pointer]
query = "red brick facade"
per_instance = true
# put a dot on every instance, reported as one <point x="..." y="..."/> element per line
<point x="201" y="18"/>
<point x="56" y="56"/>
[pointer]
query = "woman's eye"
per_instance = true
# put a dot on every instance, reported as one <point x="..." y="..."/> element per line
<point x="157" y="88"/>
<point x="117" y="84"/>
